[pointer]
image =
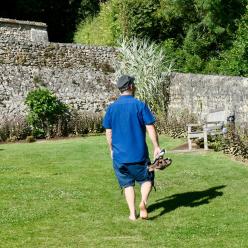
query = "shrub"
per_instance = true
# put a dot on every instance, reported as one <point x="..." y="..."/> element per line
<point x="46" y="112"/>
<point x="218" y="144"/>
<point x="30" y="139"/>
<point x="14" y="129"/>
<point x="175" y="125"/>
<point x="82" y="123"/>
<point x="4" y="130"/>
<point x="234" y="144"/>
<point x="12" y="139"/>
<point x="215" y="142"/>
<point x="77" y="123"/>
<point x="230" y="143"/>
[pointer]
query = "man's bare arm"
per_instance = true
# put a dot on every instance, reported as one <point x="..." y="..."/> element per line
<point x="109" y="140"/>
<point x="154" y="138"/>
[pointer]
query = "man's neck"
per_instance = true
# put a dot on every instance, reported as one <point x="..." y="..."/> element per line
<point x="127" y="93"/>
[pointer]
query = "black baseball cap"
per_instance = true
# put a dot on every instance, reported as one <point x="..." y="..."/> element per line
<point x="124" y="81"/>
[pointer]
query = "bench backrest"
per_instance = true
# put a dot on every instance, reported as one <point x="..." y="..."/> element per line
<point x="216" y="116"/>
<point x="215" y="121"/>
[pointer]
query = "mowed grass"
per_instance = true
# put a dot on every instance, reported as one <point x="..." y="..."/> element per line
<point x="64" y="194"/>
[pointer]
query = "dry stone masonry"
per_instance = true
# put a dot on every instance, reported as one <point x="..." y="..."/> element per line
<point x="82" y="76"/>
<point x="15" y="30"/>
<point x="79" y="75"/>
<point x="201" y="94"/>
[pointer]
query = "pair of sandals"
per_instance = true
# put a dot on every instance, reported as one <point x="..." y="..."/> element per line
<point x="160" y="163"/>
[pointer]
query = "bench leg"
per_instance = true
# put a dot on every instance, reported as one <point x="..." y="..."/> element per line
<point x="205" y="140"/>
<point x="190" y="144"/>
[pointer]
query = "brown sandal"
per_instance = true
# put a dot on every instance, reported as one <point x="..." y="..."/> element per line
<point x="160" y="164"/>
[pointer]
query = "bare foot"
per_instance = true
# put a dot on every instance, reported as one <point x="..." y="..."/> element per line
<point x="132" y="218"/>
<point x="143" y="211"/>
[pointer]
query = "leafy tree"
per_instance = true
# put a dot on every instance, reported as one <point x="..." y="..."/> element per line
<point x="175" y="17"/>
<point x="137" y="18"/>
<point x="118" y="19"/>
<point x="235" y="60"/>
<point x="210" y="33"/>
<point x="103" y="26"/>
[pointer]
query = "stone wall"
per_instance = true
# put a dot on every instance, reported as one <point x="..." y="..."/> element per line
<point x="15" y="30"/>
<point x="83" y="89"/>
<point x="201" y="94"/>
<point x="82" y="76"/>
<point x="56" y="55"/>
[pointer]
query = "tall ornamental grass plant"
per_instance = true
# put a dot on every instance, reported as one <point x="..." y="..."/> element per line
<point x="147" y="63"/>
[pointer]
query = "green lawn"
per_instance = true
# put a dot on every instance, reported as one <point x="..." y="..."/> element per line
<point x="64" y="194"/>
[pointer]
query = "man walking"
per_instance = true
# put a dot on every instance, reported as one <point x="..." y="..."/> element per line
<point x="126" y="122"/>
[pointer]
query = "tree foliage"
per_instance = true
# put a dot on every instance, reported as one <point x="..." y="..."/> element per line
<point x="235" y="60"/>
<point x="208" y="30"/>
<point x="198" y="35"/>
<point x="102" y="26"/>
<point x="208" y="36"/>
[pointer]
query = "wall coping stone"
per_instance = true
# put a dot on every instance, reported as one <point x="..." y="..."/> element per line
<point x="188" y="74"/>
<point x="23" y="23"/>
<point x="58" y="44"/>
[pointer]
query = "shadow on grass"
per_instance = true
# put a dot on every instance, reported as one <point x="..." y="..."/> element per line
<point x="187" y="199"/>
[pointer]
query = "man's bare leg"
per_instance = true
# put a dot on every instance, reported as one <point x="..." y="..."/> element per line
<point x="146" y="188"/>
<point x="130" y="198"/>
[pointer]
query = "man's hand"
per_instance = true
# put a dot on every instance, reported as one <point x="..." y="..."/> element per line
<point x="156" y="151"/>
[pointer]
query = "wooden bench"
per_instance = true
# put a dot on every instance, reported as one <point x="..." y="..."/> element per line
<point x="213" y="125"/>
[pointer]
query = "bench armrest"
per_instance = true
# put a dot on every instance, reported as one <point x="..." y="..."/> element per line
<point x="194" y="125"/>
<point x="214" y="122"/>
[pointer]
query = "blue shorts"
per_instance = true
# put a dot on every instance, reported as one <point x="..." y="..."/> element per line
<point x="127" y="174"/>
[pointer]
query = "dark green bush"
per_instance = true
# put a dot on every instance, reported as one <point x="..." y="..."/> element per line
<point x="4" y="131"/>
<point x="46" y="112"/>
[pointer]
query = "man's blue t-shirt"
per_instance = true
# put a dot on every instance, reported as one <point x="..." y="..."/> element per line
<point x="127" y="117"/>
